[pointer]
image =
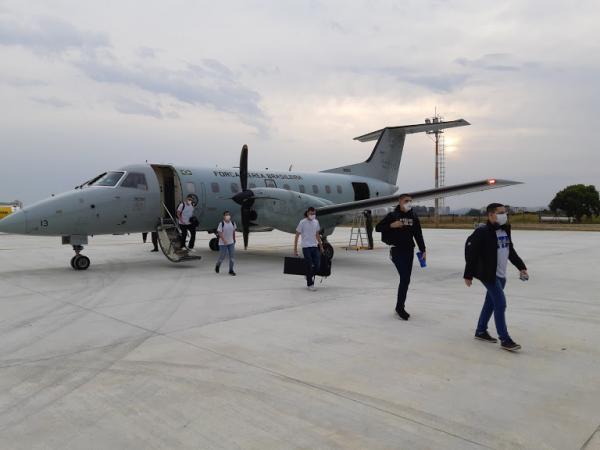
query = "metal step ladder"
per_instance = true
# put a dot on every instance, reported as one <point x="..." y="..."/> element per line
<point x="358" y="233"/>
<point x="169" y="240"/>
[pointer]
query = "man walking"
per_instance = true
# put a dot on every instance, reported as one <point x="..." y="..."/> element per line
<point x="487" y="253"/>
<point x="400" y="229"/>
<point x="312" y="246"/>
<point x="226" y="231"/>
<point x="185" y="212"/>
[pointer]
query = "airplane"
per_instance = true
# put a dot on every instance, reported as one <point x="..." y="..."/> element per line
<point x="144" y="197"/>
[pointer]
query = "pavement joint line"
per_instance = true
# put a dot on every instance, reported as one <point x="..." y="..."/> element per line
<point x="589" y="440"/>
<point x="154" y="333"/>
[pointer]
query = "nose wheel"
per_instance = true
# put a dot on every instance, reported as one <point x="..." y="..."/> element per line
<point x="213" y="244"/>
<point x="79" y="262"/>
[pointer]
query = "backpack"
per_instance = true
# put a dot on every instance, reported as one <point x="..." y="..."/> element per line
<point x="232" y="223"/>
<point x="479" y="265"/>
<point x="387" y="236"/>
<point x="324" y="267"/>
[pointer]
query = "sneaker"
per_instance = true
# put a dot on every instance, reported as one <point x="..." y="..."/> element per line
<point x="217" y="267"/>
<point x="312" y="287"/>
<point x="232" y="273"/>
<point x="510" y="346"/>
<point x="403" y="314"/>
<point x="485" y="336"/>
<point x="154" y="250"/>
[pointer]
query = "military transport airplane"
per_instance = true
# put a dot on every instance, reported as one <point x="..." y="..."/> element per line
<point x="143" y="197"/>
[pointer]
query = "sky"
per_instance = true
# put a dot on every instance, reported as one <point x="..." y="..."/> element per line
<point x="91" y="86"/>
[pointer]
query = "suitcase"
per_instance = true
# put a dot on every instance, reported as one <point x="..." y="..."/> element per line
<point x="294" y="266"/>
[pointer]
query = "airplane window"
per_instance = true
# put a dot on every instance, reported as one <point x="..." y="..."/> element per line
<point x="252" y="185"/>
<point x="339" y="189"/>
<point x="270" y="183"/>
<point x="214" y="187"/>
<point x="302" y="188"/>
<point x="328" y="189"/>
<point x="286" y="187"/>
<point x="135" y="180"/>
<point x="108" y="179"/>
<point x="234" y="188"/>
<point x="315" y="188"/>
<point x="191" y="187"/>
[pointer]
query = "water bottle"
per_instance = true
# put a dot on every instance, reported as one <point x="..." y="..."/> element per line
<point x="422" y="261"/>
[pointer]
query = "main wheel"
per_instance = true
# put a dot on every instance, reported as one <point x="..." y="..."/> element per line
<point x="81" y="262"/>
<point x="328" y="250"/>
<point x="73" y="261"/>
<point x="214" y="244"/>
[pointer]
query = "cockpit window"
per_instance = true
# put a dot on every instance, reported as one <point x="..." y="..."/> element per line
<point x="135" y="180"/>
<point x="108" y="179"/>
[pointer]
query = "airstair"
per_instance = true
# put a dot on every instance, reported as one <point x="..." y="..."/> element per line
<point x="169" y="241"/>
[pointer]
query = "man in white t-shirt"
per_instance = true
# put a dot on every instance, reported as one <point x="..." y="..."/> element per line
<point x="226" y="231"/>
<point x="309" y="230"/>
<point x="185" y="212"/>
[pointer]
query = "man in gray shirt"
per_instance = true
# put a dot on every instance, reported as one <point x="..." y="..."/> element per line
<point x="226" y="231"/>
<point x="309" y="230"/>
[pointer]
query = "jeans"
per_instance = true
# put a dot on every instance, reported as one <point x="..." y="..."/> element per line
<point x="227" y="250"/>
<point x="403" y="260"/>
<point x="495" y="302"/>
<point x="184" y="232"/>
<point x="312" y="257"/>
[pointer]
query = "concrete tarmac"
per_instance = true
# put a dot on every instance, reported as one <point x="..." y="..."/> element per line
<point x="141" y="353"/>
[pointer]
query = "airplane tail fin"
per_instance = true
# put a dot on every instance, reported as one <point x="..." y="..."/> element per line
<point x="384" y="162"/>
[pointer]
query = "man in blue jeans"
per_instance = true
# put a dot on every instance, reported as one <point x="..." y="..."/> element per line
<point x="400" y="229"/>
<point x="487" y="253"/>
<point x="309" y="231"/>
<point x="226" y="231"/>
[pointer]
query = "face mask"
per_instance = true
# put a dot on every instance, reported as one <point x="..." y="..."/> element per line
<point x="407" y="206"/>
<point x="501" y="219"/>
<point x="189" y="202"/>
<point x="227" y="218"/>
<point x="312" y="216"/>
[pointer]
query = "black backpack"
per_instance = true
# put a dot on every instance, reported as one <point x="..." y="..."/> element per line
<point x="479" y="265"/>
<point x="324" y="267"/>
<point x="387" y="236"/>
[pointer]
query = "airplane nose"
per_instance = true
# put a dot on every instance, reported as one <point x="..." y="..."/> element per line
<point x="15" y="223"/>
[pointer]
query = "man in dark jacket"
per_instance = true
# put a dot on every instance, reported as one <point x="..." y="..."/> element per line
<point x="487" y="253"/>
<point x="400" y="229"/>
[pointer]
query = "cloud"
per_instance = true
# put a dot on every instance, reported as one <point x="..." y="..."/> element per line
<point x="432" y="81"/>
<point x="51" y="101"/>
<point x="208" y="84"/>
<point x="48" y="35"/>
<point x="503" y="62"/>
<point x="127" y="106"/>
<point x="22" y="82"/>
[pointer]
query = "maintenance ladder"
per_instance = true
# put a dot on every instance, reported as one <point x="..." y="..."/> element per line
<point x="358" y="233"/>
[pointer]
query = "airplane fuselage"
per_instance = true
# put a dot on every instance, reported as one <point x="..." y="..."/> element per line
<point x="130" y="208"/>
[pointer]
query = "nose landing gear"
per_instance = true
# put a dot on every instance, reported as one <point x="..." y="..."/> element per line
<point x="79" y="262"/>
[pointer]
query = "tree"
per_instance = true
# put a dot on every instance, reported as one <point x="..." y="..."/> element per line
<point x="577" y="200"/>
<point x="473" y="212"/>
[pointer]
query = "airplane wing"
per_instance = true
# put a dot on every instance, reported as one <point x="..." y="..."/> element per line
<point x="445" y="191"/>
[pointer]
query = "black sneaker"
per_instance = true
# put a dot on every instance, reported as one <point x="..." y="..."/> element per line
<point x="217" y="267"/>
<point x="485" y="336"/>
<point x="154" y="250"/>
<point x="403" y="314"/>
<point x="232" y="273"/>
<point x="511" y="346"/>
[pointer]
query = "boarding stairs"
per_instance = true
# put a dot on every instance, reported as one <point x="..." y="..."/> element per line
<point x="169" y="241"/>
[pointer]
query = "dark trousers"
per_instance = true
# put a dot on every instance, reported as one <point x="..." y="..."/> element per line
<point x="184" y="232"/>
<point x="312" y="257"/>
<point x="154" y="235"/>
<point x="495" y="302"/>
<point x="403" y="260"/>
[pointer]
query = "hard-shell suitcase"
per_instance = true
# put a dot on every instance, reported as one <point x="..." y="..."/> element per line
<point x="294" y="266"/>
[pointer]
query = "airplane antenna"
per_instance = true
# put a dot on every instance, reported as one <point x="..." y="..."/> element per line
<point x="440" y="163"/>
<point x="290" y="169"/>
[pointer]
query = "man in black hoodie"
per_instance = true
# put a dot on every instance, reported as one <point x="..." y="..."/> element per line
<point x="400" y="229"/>
<point x="487" y="253"/>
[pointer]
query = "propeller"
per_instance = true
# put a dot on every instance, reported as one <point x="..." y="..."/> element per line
<point x="245" y="198"/>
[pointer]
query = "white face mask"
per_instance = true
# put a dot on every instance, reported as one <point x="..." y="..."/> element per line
<point x="501" y="219"/>
<point x="227" y="218"/>
<point x="312" y="216"/>
<point x="407" y="206"/>
<point x="189" y="202"/>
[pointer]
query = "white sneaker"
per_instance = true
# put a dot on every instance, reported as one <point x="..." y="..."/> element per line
<point x="312" y="288"/>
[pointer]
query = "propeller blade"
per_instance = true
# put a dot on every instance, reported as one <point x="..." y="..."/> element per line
<point x="246" y="224"/>
<point x="244" y="168"/>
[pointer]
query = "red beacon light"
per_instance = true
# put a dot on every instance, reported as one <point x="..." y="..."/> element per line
<point x="492" y="181"/>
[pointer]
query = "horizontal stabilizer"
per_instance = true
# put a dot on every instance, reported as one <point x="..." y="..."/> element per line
<point x="428" y="194"/>
<point x="409" y="129"/>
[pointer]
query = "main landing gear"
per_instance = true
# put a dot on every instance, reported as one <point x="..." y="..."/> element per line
<point x="79" y="262"/>
<point x="327" y="248"/>
<point x="214" y="244"/>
